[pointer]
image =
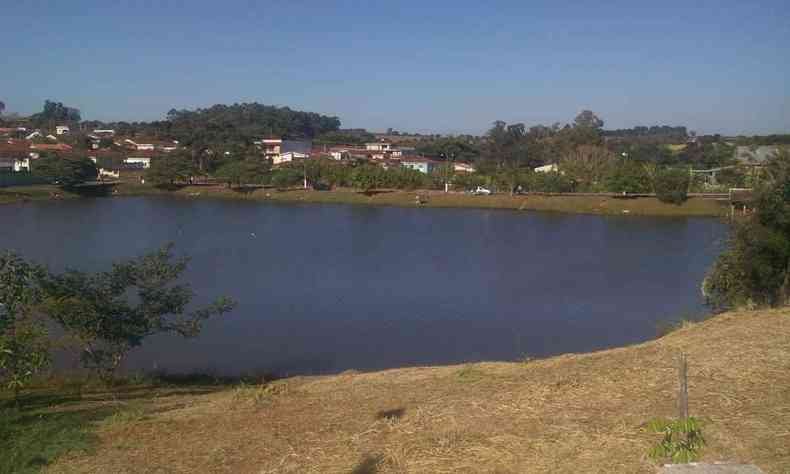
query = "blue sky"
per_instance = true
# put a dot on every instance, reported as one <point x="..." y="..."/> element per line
<point x="429" y="66"/>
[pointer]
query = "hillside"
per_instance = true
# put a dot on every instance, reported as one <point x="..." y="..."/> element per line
<point x="572" y="413"/>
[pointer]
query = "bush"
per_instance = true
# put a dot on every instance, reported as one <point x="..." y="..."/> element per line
<point x="672" y="186"/>
<point x="286" y="177"/>
<point x="628" y="177"/>
<point x="551" y="182"/>
<point x="755" y="267"/>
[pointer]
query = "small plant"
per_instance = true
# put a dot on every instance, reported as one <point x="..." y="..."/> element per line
<point x="682" y="439"/>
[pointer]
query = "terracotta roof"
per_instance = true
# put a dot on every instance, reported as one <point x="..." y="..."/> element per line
<point x="47" y="146"/>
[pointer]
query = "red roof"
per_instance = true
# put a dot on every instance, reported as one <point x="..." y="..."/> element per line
<point x="46" y="146"/>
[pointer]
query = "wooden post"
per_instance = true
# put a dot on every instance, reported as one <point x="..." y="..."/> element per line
<point x="683" y="391"/>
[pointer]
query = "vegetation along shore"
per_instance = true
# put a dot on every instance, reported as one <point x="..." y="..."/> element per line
<point x="582" y="204"/>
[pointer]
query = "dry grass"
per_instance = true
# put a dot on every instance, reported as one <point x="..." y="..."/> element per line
<point x="568" y="204"/>
<point x="572" y="413"/>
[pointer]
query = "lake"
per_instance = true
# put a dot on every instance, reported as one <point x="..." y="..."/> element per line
<point x="326" y="288"/>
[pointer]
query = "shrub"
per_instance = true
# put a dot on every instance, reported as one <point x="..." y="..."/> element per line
<point x="628" y="177"/>
<point x="755" y="267"/>
<point x="286" y="177"/>
<point x="671" y="186"/>
<point x="682" y="440"/>
<point x="551" y="182"/>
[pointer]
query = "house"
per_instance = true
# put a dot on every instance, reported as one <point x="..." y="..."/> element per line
<point x="15" y="156"/>
<point x="15" y="165"/>
<point x="755" y="156"/>
<point x="104" y="133"/>
<point x="379" y="146"/>
<point x="463" y="168"/>
<point x="139" y="158"/>
<point x="145" y="144"/>
<point x="35" y="134"/>
<point x="50" y="147"/>
<point x="550" y="168"/>
<point x="288" y="157"/>
<point x="273" y="148"/>
<point x="62" y="130"/>
<point x="423" y="165"/>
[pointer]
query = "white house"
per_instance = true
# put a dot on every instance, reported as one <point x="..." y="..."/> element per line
<point x="550" y="168"/>
<point x="379" y="146"/>
<point x="15" y="164"/>
<point x="463" y="168"/>
<point x="423" y="165"/>
<point x="62" y="130"/>
<point x="144" y="161"/>
<point x="289" y="156"/>
<point x="105" y="132"/>
<point x="274" y="148"/>
<point x="33" y="135"/>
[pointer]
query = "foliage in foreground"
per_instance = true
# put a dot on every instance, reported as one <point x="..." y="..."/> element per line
<point x="97" y="310"/>
<point x="682" y="440"/>
<point x="754" y="270"/>
<point x="24" y="346"/>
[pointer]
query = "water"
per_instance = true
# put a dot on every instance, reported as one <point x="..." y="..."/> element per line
<point x="325" y="288"/>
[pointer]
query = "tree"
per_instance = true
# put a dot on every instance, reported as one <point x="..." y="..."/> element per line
<point x="251" y="170"/>
<point x="755" y="267"/>
<point x="588" y="166"/>
<point x="170" y="169"/>
<point x="55" y="112"/>
<point x="588" y="119"/>
<point x="65" y="171"/>
<point x="110" y="313"/>
<point x="24" y="348"/>
<point x="2" y="107"/>
<point x="672" y="185"/>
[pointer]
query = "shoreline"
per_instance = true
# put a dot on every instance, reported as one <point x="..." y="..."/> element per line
<point x="546" y="415"/>
<point x="593" y="205"/>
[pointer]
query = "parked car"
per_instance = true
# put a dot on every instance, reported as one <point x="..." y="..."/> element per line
<point x="481" y="191"/>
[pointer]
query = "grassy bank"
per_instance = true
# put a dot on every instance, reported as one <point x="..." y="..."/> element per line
<point x="572" y="413"/>
<point x="567" y="204"/>
<point x="33" y="193"/>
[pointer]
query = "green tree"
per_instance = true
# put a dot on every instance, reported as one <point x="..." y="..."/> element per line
<point x="170" y="169"/>
<point x="110" y="313"/>
<point x="54" y="113"/>
<point x="286" y="177"/>
<point x="65" y="171"/>
<point x="251" y="170"/>
<point x="24" y="346"/>
<point x="588" y="119"/>
<point x="671" y="185"/>
<point x="755" y="267"/>
<point x="628" y="177"/>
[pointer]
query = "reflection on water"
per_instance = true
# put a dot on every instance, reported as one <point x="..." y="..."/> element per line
<point x="325" y="288"/>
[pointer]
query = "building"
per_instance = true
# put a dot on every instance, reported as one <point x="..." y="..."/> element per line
<point x="273" y="148"/>
<point x="102" y="133"/>
<point x="423" y="165"/>
<point x="379" y="146"/>
<point x="62" y="130"/>
<point x="139" y="158"/>
<point x="550" y="168"/>
<point x="288" y="157"/>
<point x="463" y="168"/>
<point x="147" y="144"/>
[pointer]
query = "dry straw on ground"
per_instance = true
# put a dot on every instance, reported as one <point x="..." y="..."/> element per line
<point x="573" y="413"/>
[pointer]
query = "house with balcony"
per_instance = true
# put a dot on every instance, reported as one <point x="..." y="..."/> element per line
<point x="423" y="165"/>
<point x="274" y="148"/>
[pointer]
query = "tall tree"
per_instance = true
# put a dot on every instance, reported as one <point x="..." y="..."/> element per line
<point x="588" y="119"/>
<point x="112" y="312"/>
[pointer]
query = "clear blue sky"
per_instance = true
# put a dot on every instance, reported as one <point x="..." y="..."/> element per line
<point x="442" y="66"/>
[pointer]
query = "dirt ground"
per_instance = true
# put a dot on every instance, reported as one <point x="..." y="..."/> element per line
<point x="567" y="414"/>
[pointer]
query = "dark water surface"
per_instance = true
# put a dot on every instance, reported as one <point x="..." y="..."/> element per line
<point x="325" y="288"/>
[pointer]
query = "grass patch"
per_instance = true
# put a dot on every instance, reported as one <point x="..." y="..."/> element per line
<point x="33" y="439"/>
<point x="468" y="374"/>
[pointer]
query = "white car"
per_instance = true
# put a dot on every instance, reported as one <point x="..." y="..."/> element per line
<point x="481" y="191"/>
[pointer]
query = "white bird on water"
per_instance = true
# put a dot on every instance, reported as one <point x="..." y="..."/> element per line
<point x="252" y="234"/>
